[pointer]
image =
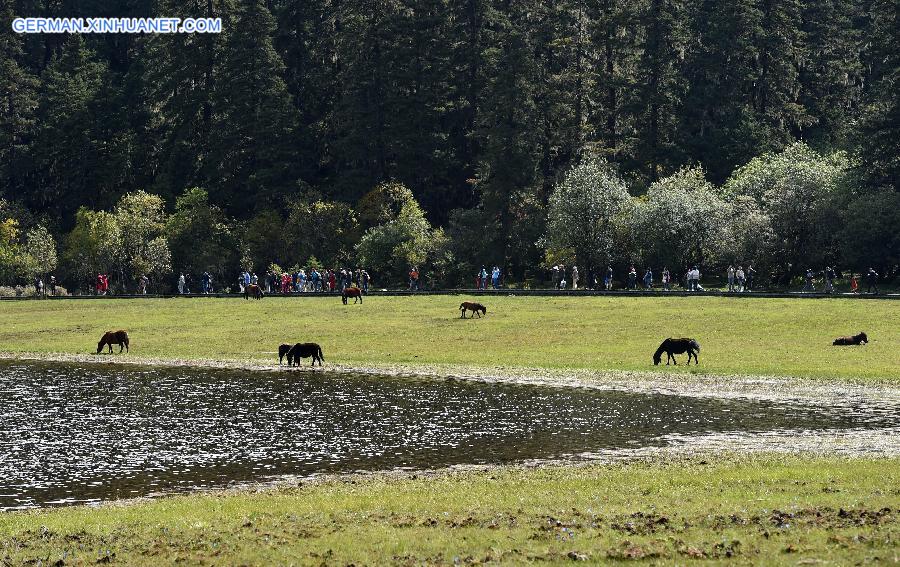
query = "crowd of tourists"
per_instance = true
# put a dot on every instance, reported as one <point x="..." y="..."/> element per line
<point x="311" y="280"/>
<point x="740" y="280"/>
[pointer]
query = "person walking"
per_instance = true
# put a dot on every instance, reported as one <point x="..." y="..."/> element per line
<point x="829" y="279"/>
<point x="142" y="284"/>
<point x="854" y="284"/>
<point x="39" y="286"/>
<point x="809" y="287"/>
<point x="648" y="279"/>
<point x="52" y="285"/>
<point x="751" y="273"/>
<point x="574" y="277"/>
<point x="666" y="279"/>
<point x="495" y="277"/>
<point x="730" y="279"/>
<point x="181" y="282"/>
<point x="608" y="278"/>
<point x="872" y="281"/>
<point x="739" y="275"/>
<point x="414" y="278"/>
<point x="632" y="278"/>
<point x="364" y="281"/>
<point x="554" y="276"/>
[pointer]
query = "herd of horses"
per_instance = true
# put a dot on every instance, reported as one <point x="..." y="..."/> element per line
<point x="298" y="351"/>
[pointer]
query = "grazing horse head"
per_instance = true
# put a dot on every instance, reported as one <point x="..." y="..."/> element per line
<point x="861" y="338"/>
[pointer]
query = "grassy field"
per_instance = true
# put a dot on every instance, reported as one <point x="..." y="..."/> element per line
<point x="746" y="510"/>
<point x="789" y="337"/>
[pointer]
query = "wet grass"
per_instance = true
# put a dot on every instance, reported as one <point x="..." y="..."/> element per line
<point x="735" y="510"/>
<point x="787" y="337"/>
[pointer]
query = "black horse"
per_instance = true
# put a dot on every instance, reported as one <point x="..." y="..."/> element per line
<point x="851" y="341"/>
<point x="677" y="346"/>
<point x="305" y="350"/>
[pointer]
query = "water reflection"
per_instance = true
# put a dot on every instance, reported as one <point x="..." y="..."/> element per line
<point x="74" y="433"/>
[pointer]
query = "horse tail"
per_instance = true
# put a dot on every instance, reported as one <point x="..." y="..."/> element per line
<point x="321" y="356"/>
<point x="695" y="344"/>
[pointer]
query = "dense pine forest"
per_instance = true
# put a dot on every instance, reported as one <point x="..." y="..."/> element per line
<point x="451" y="134"/>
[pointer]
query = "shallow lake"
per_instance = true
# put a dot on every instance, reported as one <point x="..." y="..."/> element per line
<point x="72" y="433"/>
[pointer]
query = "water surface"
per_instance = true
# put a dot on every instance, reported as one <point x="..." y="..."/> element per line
<point x="74" y="433"/>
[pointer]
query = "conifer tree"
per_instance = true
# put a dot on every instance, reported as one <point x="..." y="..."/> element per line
<point x="18" y="100"/>
<point x="254" y="120"/>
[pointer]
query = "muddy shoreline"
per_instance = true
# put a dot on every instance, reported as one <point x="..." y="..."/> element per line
<point x="834" y="393"/>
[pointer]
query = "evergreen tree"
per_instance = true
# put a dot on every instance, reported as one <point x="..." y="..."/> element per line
<point x="254" y="120"/>
<point x="615" y="40"/>
<point x="719" y="126"/>
<point x="179" y="87"/>
<point x="507" y="128"/>
<point x="18" y="100"/>
<point x="879" y="130"/>
<point x="660" y="86"/>
<point x="776" y="96"/>
<point x="830" y="70"/>
<point x="75" y="161"/>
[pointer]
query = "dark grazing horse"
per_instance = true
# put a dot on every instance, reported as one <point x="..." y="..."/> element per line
<point x="677" y="346"/>
<point x="473" y="307"/>
<point x="854" y="340"/>
<point x="353" y="292"/>
<point x="305" y="350"/>
<point x="113" y="338"/>
<point x="283" y="349"/>
<point x="253" y="291"/>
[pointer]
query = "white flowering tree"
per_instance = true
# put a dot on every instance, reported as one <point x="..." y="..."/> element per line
<point x="680" y="222"/>
<point x="796" y="189"/>
<point x="40" y="252"/>
<point x="586" y="211"/>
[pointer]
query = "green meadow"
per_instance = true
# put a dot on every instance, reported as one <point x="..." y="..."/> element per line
<point x="783" y="337"/>
<point x="759" y="510"/>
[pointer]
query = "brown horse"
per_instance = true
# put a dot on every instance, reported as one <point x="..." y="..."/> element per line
<point x="473" y="307"/>
<point x="677" y="346"/>
<point x="305" y="350"/>
<point x="353" y="292"/>
<point x="850" y="341"/>
<point x="113" y="338"/>
<point x="253" y="291"/>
